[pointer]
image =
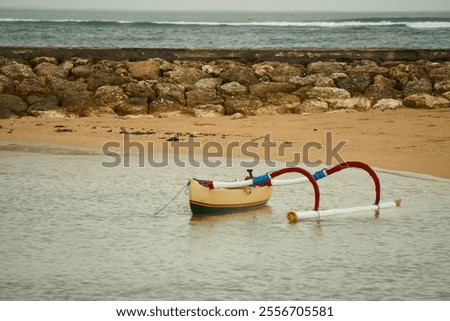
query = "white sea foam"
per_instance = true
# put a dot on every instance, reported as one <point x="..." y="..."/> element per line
<point x="319" y="24"/>
<point x="286" y="23"/>
<point x="428" y="24"/>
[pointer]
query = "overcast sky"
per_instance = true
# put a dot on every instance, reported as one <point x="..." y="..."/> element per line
<point x="252" y="5"/>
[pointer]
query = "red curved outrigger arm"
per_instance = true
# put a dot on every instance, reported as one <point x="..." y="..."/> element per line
<point x="363" y="166"/>
<point x="329" y="171"/>
<point x="305" y="173"/>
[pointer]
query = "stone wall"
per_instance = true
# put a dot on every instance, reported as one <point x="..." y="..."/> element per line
<point x="216" y="83"/>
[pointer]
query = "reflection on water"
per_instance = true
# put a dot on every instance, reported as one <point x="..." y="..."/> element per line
<point x="72" y="230"/>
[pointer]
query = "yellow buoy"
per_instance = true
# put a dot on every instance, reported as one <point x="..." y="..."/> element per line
<point x="292" y="217"/>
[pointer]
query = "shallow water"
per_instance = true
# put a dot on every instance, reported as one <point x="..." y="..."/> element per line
<point x="73" y="230"/>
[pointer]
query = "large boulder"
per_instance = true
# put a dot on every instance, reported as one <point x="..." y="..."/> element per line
<point x="202" y="97"/>
<point x="103" y="77"/>
<point x="403" y="73"/>
<point x="58" y="85"/>
<point x="76" y="102"/>
<point x="161" y="107"/>
<point x="263" y="69"/>
<point x="170" y="98"/>
<point x="143" y="70"/>
<point x="223" y="64"/>
<point x="279" y="103"/>
<point x="43" y="106"/>
<point x="233" y="89"/>
<point x="82" y="71"/>
<point x="246" y="105"/>
<point x="302" y="92"/>
<point x="208" y="83"/>
<point x="278" y="71"/>
<point x="7" y="114"/>
<point x="440" y="73"/>
<point x="6" y="85"/>
<point x="17" y="71"/>
<point x="324" y="67"/>
<point x="283" y="72"/>
<point x="171" y="92"/>
<point x="336" y="76"/>
<point x="314" y="80"/>
<point x="49" y="69"/>
<point x="356" y="103"/>
<point x="109" y="96"/>
<point x="243" y="75"/>
<point x="383" y="88"/>
<point x="213" y="71"/>
<point x="67" y="65"/>
<point x="426" y="101"/>
<point x="264" y="88"/>
<point x="186" y="75"/>
<point x="442" y="86"/>
<point x="132" y="106"/>
<point x="418" y="86"/>
<point x="166" y="66"/>
<point x="37" y="99"/>
<point x="32" y="86"/>
<point x="209" y="110"/>
<point x="327" y="93"/>
<point x="141" y="89"/>
<point x="388" y="103"/>
<point x="376" y="93"/>
<point x="38" y="60"/>
<point x="355" y="83"/>
<point x="13" y="103"/>
<point x="367" y="67"/>
<point x="312" y="106"/>
<point x="382" y="81"/>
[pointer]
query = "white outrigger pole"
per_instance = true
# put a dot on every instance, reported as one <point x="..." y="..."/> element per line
<point x="254" y="181"/>
<point x="294" y="216"/>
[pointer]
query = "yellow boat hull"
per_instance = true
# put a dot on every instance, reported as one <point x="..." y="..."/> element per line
<point x="210" y="201"/>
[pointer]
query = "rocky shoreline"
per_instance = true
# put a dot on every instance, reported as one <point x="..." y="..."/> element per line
<point x="43" y="83"/>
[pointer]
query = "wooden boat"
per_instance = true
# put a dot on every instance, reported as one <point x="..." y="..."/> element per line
<point x="213" y="197"/>
<point x="204" y="200"/>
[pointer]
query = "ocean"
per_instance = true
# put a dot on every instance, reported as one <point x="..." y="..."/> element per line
<point x="209" y="29"/>
<point x="74" y="230"/>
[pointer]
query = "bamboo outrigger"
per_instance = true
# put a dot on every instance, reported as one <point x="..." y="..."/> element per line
<point x="208" y="197"/>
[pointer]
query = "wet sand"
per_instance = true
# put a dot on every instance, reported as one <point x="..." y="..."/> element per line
<point x="404" y="139"/>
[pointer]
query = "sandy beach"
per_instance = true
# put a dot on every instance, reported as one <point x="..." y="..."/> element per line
<point x="406" y="139"/>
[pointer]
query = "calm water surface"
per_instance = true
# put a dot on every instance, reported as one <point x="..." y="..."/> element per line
<point x="73" y="230"/>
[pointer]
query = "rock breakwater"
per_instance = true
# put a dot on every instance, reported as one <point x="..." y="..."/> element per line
<point x="57" y="85"/>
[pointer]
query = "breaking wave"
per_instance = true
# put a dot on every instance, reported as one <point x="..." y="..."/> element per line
<point x="423" y="24"/>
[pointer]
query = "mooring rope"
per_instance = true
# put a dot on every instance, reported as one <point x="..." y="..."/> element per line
<point x="173" y="198"/>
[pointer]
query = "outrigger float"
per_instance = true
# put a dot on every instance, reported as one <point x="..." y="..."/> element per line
<point x="208" y="197"/>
